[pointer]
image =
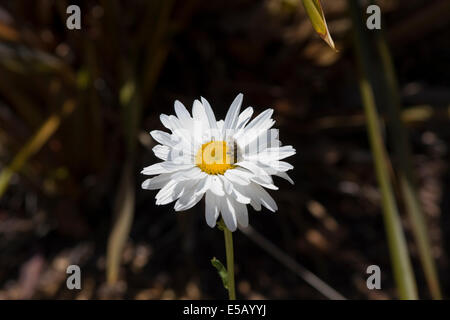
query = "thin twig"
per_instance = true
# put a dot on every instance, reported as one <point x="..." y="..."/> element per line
<point x="292" y="265"/>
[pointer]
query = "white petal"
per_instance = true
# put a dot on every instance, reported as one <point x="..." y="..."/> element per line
<point x="189" y="197"/>
<point x="260" y="120"/>
<point x="248" y="192"/>
<point x="182" y="187"/>
<point x="182" y="114"/>
<point x="256" y="141"/>
<point x="268" y="169"/>
<point x="280" y="165"/>
<point x="233" y="189"/>
<point x="156" y="168"/>
<point x="238" y="176"/>
<point x="227" y="186"/>
<point x="228" y="213"/>
<point x="220" y="125"/>
<point x="239" y="196"/>
<point x="171" y="166"/>
<point x="263" y="183"/>
<point x="189" y="174"/>
<point x="198" y="112"/>
<point x="258" y="171"/>
<point x="201" y="130"/>
<point x="284" y="175"/>
<point x="264" y="197"/>
<point x="204" y="185"/>
<point x="211" y="209"/>
<point x="244" y="117"/>
<point x="165" y="121"/>
<point x="162" y="152"/>
<point x="272" y="154"/>
<point x="156" y="182"/>
<point x="232" y="116"/>
<point x="166" y="194"/>
<point x="217" y="187"/>
<point x="242" y="215"/>
<point x="282" y="152"/>
<point x="175" y="123"/>
<point x="209" y="114"/>
<point x="256" y="204"/>
<point x="181" y="157"/>
<point x="187" y="200"/>
<point x="162" y="137"/>
<point x="181" y="132"/>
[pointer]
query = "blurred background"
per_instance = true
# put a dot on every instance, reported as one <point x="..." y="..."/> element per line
<point x="76" y="107"/>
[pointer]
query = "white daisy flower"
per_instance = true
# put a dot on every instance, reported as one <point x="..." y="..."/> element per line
<point x="230" y="161"/>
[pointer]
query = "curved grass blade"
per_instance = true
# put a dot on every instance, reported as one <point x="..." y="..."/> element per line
<point x="37" y="141"/>
<point x="315" y="13"/>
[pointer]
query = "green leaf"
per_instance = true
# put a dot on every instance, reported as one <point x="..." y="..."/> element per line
<point x="221" y="270"/>
<point x="315" y="13"/>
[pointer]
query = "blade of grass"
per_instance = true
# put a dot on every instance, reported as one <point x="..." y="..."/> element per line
<point x="125" y="198"/>
<point x="401" y="264"/>
<point x="131" y="95"/>
<point x="400" y="142"/>
<point x="124" y="213"/>
<point x="315" y="13"/>
<point x="36" y="142"/>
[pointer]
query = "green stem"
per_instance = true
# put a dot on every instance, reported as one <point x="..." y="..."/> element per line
<point x="230" y="262"/>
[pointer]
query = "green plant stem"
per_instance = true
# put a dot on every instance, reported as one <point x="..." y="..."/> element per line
<point x="401" y="264"/>
<point x="230" y="262"/>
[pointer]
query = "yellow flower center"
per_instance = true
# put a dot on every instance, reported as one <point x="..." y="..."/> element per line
<point x="215" y="157"/>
